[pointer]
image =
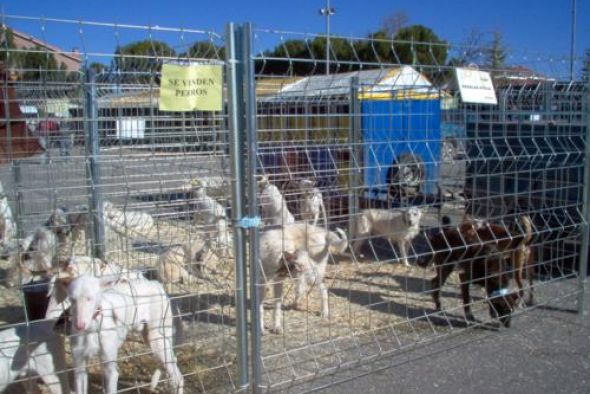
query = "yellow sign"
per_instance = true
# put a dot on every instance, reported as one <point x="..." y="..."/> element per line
<point x="191" y="88"/>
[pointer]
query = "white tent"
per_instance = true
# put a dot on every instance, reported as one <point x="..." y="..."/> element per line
<point x="396" y="82"/>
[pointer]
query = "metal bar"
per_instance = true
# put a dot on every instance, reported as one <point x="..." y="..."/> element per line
<point x="249" y="85"/>
<point x="583" y="269"/>
<point x="354" y="139"/>
<point x="15" y="164"/>
<point x="328" y="37"/>
<point x="573" y="42"/>
<point x="105" y="24"/>
<point x="235" y="111"/>
<point x="93" y="174"/>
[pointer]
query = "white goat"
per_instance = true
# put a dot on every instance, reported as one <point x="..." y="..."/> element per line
<point x="173" y="263"/>
<point x="40" y="252"/>
<point x="102" y="318"/>
<point x="311" y="204"/>
<point x="33" y="348"/>
<point x="211" y="214"/>
<point x="78" y="219"/>
<point x="77" y="266"/>
<point x="127" y="222"/>
<point x="7" y="224"/>
<point x="273" y="207"/>
<point x="301" y="251"/>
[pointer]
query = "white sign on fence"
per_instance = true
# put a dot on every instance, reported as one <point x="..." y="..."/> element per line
<point x="476" y="86"/>
<point x="128" y="128"/>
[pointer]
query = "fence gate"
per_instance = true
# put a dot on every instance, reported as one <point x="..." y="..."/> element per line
<point x="382" y="130"/>
<point x="312" y="183"/>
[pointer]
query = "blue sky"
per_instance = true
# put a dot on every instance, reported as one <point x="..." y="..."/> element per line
<point x="529" y="27"/>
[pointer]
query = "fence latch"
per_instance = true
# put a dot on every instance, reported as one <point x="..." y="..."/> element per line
<point x="249" y="222"/>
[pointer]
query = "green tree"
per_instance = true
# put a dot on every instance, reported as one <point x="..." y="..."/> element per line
<point x="420" y="46"/>
<point x="34" y="64"/>
<point x="38" y="64"/>
<point x="204" y="50"/>
<point x="496" y="52"/>
<point x="142" y="58"/>
<point x="98" y="67"/>
<point x="6" y="44"/>
<point x="290" y="57"/>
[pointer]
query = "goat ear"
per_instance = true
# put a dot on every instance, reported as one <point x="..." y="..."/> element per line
<point x="63" y="278"/>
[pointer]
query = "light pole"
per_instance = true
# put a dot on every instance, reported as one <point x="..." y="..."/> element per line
<point x="327" y="12"/>
<point x="573" y="41"/>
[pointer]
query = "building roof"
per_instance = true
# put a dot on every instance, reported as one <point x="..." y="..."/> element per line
<point x="519" y="75"/>
<point x="146" y="97"/>
<point x="394" y="82"/>
<point x="71" y="59"/>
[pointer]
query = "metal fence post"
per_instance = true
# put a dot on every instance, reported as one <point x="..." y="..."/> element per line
<point x="354" y="140"/>
<point x="235" y="104"/>
<point x="17" y="196"/>
<point x="93" y="177"/>
<point x="249" y="85"/>
<point x="583" y="268"/>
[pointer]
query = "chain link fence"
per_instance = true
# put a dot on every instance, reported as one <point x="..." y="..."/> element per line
<point x="381" y="198"/>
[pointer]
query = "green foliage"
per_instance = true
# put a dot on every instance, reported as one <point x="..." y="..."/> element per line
<point x="6" y="43"/>
<point x="305" y="57"/>
<point x="422" y="46"/>
<point x="98" y="67"/>
<point x="142" y="57"/>
<point x="496" y="52"/>
<point x="34" y="64"/>
<point x="204" y="50"/>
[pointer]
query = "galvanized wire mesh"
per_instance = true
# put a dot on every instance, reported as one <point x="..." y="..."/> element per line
<point x="134" y="191"/>
<point x="359" y="169"/>
<point x="383" y="132"/>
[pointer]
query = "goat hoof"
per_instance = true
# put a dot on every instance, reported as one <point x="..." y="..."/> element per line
<point x="278" y="330"/>
<point x="470" y="319"/>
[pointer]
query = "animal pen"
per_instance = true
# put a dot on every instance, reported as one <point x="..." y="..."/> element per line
<point x="375" y="132"/>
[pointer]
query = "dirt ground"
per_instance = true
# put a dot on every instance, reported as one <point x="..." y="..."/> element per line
<point x="371" y="303"/>
<point x="375" y="307"/>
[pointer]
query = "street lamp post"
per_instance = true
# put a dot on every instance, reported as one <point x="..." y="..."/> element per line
<point x="573" y="41"/>
<point x="327" y="12"/>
